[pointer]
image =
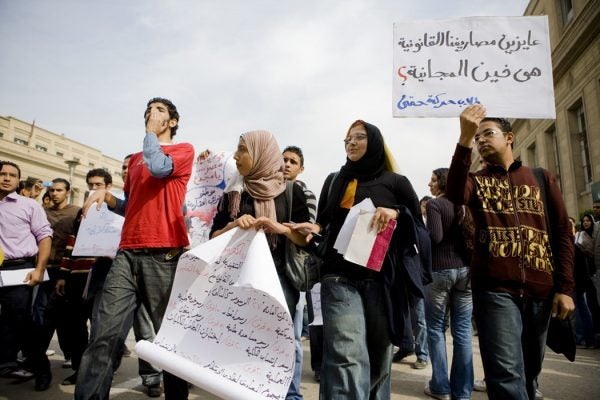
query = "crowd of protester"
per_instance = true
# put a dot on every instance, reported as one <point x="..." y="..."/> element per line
<point x="481" y="270"/>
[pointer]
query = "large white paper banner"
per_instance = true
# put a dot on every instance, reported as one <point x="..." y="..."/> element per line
<point x="227" y="328"/>
<point x="209" y="178"/>
<point x="99" y="234"/>
<point x="442" y="66"/>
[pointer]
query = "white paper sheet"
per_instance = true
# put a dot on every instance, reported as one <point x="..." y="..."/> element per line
<point x="99" y="233"/>
<point x="16" y="277"/>
<point x="343" y="238"/>
<point x="227" y="328"/>
<point x="362" y="239"/>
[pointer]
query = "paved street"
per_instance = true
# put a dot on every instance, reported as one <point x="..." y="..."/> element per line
<point x="560" y="379"/>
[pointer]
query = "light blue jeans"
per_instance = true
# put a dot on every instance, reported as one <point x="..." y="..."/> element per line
<point x="512" y="340"/>
<point x="357" y="352"/>
<point x="450" y="291"/>
<point x="419" y="325"/>
<point x="294" y="389"/>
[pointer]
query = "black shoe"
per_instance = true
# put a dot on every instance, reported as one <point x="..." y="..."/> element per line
<point x="154" y="390"/>
<point x="70" y="380"/>
<point x="401" y="355"/>
<point x="42" y="381"/>
<point x="318" y="376"/>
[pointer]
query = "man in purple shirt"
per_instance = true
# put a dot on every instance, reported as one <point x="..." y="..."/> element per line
<point x="24" y="234"/>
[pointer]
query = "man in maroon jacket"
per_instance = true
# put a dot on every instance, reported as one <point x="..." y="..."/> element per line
<point x="518" y="280"/>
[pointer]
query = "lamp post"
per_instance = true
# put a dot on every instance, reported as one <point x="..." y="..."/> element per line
<point x="72" y="164"/>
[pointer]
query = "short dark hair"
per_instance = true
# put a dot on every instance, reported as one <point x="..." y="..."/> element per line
<point x="505" y="126"/>
<point x="442" y="177"/>
<point x="296" y="150"/>
<point x="62" y="180"/>
<point x="503" y="122"/>
<point x="12" y="164"/>
<point x="425" y="198"/>
<point x="173" y="114"/>
<point x="101" y="172"/>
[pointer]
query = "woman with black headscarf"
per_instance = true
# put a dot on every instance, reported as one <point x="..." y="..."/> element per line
<point x="357" y="351"/>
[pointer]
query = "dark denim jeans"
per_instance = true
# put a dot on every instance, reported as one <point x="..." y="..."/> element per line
<point x="357" y="352"/>
<point x="512" y="340"/>
<point x="135" y="277"/>
<point x="450" y="291"/>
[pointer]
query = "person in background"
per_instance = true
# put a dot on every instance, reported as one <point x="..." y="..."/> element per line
<point x="26" y="239"/>
<point x="293" y="161"/>
<point x="423" y="206"/>
<point x="586" y="313"/>
<point x="450" y="292"/>
<point x="49" y="306"/>
<point x="31" y="187"/>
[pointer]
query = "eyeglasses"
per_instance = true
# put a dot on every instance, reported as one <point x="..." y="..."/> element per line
<point x="355" y="138"/>
<point x="486" y="134"/>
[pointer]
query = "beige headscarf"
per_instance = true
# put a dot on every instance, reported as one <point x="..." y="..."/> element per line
<point x="265" y="180"/>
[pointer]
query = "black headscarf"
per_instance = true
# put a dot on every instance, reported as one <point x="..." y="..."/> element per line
<point x="369" y="167"/>
<point x="372" y="164"/>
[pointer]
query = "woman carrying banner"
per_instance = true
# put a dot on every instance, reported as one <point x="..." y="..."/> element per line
<point x="357" y="352"/>
<point x="262" y="202"/>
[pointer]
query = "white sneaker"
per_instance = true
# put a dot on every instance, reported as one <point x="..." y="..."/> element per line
<point x="479" y="385"/>
<point x="429" y="393"/>
<point x="50" y="353"/>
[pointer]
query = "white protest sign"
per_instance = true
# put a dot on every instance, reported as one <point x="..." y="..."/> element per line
<point x="210" y="177"/>
<point x="227" y="328"/>
<point x="99" y="234"/>
<point x="442" y="66"/>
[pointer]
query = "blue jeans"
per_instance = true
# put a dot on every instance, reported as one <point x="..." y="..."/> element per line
<point x="144" y="276"/>
<point x="419" y="326"/>
<point x="512" y="340"/>
<point x="294" y="389"/>
<point x="357" y="352"/>
<point x="450" y="290"/>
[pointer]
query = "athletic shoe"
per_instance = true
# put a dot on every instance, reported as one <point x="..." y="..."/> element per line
<point x="429" y="393"/>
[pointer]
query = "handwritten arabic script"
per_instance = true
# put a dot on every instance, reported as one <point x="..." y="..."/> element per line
<point x="502" y="63"/>
<point x="221" y="317"/>
<point x="205" y="189"/>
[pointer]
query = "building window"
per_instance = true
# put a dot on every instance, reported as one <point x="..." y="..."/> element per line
<point x="1" y="134"/>
<point x="553" y="155"/>
<point x="60" y="153"/>
<point x="76" y="159"/>
<point x="91" y="165"/>
<point x="41" y="148"/>
<point x="21" y="141"/>
<point x="566" y="8"/>
<point x="581" y="149"/>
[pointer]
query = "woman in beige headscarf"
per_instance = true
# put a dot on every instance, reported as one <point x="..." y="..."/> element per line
<point x="262" y="204"/>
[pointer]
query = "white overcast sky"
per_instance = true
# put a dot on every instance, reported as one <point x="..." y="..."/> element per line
<point x="303" y="70"/>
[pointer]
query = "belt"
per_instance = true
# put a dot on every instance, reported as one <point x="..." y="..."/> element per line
<point x="17" y="261"/>
<point x="170" y="252"/>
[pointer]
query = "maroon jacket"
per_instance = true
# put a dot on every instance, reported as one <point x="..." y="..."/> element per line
<point x="512" y="248"/>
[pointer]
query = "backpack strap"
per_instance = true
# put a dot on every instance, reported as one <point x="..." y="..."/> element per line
<point x="289" y="195"/>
